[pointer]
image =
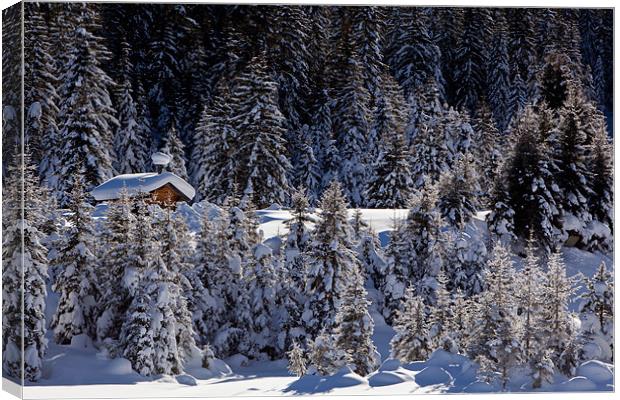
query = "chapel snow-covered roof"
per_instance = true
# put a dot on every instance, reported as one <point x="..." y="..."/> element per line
<point x="141" y="183"/>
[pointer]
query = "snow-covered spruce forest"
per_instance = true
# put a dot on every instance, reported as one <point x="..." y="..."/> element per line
<point x="412" y="198"/>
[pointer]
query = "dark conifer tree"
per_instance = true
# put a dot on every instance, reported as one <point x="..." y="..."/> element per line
<point x="261" y="156"/>
<point x="530" y="191"/>
<point x="487" y="145"/>
<point x="570" y="155"/>
<point x="500" y="76"/>
<point x="351" y="127"/>
<point x="390" y="185"/>
<point x="472" y="56"/>
<point x="41" y="99"/>
<point x="132" y="140"/>
<point x="458" y="193"/>
<point x="414" y="57"/>
<point x="600" y="165"/>
<point x="87" y="116"/>
<point x="213" y="165"/>
<point x="172" y="145"/>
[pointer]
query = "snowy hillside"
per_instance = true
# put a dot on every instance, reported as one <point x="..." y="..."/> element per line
<point x="80" y="371"/>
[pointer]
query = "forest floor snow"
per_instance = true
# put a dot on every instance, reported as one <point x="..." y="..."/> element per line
<point x="81" y="371"/>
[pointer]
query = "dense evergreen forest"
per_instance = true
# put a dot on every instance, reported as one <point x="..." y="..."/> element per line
<point x="445" y="112"/>
<point x="375" y="97"/>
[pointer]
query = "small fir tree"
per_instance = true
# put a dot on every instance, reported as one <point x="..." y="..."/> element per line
<point x="560" y="330"/>
<point x="412" y="339"/>
<point x="296" y="360"/>
<point x="331" y="260"/>
<point x="77" y="281"/>
<point x="354" y="327"/>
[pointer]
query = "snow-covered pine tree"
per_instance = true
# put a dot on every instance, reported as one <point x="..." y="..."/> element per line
<point x="597" y="316"/>
<point x="487" y="146"/>
<point x="419" y="244"/>
<point x="354" y="327"/>
<point x="145" y="272"/>
<point x="77" y="281"/>
<point x="371" y="258"/>
<point x="412" y="339"/>
<point x="296" y="360"/>
<point x="518" y="97"/>
<point x="203" y="299"/>
<point x="529" y="303"/>
<point x="541" y="367"/>
<point x="413" y="54"/>
<point x="261" y="282"/>
<point x="195" y="86"/>
<point x="331" y="260"/>
<point x="142" y="251"/>
<point x="426" y="108"/>
<point x="570" y="154"/>
<point x="600" y="202"/>
<point x="472" y="55"/>
<point x="557" y="320"/>
<point x="458" y="134"/>
<point x="24" y="273"/>
<point x="501" y="218"/>
<point x="117" y="237"/>
<point x="298" y="237"/>
<point x="213" y="165"/>
<point x="176" y="251"/>
<point x="166" y="356"/>
<point x="171" y="144"/>
<point x="292" y="282"/>
<point x="137" y="336"/>
<point x="458" y="193"/>
<point x="396" y="278"/>
<point x="430" y="156"/>
<point x="448" y="28"/>
<point x="325" y="148"/>
<point x="389" y="109"/>
<point x="40" y="97"/>
<point x="521" y="43"/>
<point x="460" y="322"/>
<point x="494" y="339"/>
<point x="261" y="154"/>
<point x="600" y="82"/>
<point x="465" y="262"/>
<point x="131" y="142"/>
<point x="441" y="314"/>
<point x="323" y="356"/>
<point x="242" y="230"/>
<point x="170" y="320"/>
<point x="307" y="171"/>
<point x="530" y="189"/>
<point x="367" y="33"/>
<point x="289" y="35"/>
<point x="358" y="225"/>
<point x="163" y="49"/>
<point x="231" y="255"/>
<point x="499" y="75"/>
<point x="51" y="227"/>
<point x="351" y="115"/>
<point x="388" y="123"/>
<point x="554" y="79"/>
<point x="390" y="184"/>
<point x="87" y="116"/>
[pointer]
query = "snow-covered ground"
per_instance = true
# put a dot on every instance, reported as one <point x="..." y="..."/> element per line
<point x="81" y="371"/>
